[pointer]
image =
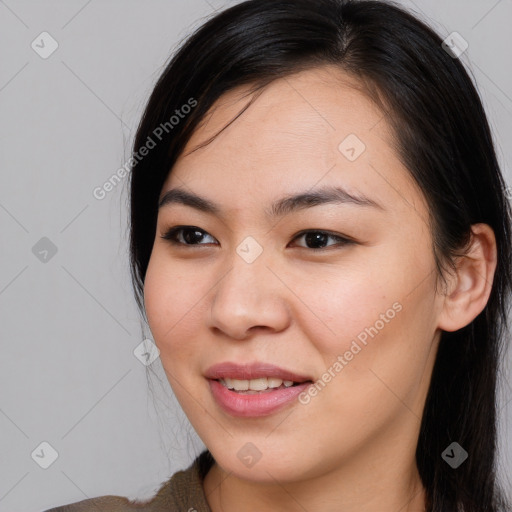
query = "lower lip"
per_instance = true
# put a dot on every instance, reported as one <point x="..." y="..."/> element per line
<point x="257" y="404"/>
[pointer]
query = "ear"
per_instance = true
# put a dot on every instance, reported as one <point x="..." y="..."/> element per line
<point x="469" y="288"/>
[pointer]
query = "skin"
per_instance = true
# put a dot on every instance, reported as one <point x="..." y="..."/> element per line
<point x="352" y="447"/>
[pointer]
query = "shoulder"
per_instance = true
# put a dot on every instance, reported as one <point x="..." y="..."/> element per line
<point x="183" y="492"/>
<point x="100" y="504"/>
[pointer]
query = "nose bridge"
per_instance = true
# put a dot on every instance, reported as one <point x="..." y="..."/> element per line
<point x="247" y="295"/>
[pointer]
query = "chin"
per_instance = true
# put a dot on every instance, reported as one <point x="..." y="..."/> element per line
<point x="283" y="464"/>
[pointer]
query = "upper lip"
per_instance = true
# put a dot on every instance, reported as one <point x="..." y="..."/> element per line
<point x="248" y="371"/>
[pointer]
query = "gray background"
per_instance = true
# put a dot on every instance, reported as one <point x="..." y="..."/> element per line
<point x="69" y="325"/>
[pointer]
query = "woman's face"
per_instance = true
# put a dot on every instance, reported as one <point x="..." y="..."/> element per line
<point x="246" y="286"/>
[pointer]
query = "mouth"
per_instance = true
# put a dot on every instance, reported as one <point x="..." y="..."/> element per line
<point x="258" y="385"/>
<point x="254" y="373"/>
<point x="253" y="390"/>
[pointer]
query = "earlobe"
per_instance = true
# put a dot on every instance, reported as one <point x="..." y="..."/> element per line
<point x="471" y="286"/>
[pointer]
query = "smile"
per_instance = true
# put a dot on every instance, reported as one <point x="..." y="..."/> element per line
<point x="254" y="389"/>
<point x="263" y="384"/>
<point x="252" y="403"/>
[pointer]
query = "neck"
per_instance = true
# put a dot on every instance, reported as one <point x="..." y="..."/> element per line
<point x="377" y="482"/>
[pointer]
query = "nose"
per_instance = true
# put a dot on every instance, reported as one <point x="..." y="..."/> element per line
<point x="249" y="298"/>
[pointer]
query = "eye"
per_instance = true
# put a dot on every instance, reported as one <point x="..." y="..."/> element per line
<point x="192" y="235"/>
<point x="319" y="238"/>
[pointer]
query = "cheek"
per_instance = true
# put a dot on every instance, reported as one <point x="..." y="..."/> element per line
<point x="368" y="305"/>
<point x="350" y="317"/>
<point x="174" y="311"/>
<point x="375" y="350"/>
<point x="172" y="298"/>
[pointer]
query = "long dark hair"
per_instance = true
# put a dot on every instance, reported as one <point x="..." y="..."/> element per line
<point x="442" y="137"/>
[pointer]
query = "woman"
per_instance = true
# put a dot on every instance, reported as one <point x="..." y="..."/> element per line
<point x="356" y="374"/>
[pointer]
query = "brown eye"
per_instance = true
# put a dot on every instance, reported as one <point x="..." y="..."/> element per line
<point x="186" y="235"/>
<point x="314" y="239"/>
<point x="319" y="239"/>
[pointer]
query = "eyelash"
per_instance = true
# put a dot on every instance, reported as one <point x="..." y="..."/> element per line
<point x="172" y="233"/>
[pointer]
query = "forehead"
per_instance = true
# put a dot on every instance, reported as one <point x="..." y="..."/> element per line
<point x="314" y="127"/>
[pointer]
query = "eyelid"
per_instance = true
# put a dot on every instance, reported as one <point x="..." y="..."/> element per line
<point x="343" y="240"/>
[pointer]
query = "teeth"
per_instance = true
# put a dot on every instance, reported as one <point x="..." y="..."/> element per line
<point x="260" y="384"/>
<point x="274" y="382"/>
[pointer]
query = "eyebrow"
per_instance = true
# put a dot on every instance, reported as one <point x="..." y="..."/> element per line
<point x="280" y="208"/>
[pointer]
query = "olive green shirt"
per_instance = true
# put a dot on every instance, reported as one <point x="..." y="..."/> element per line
<point x="183" y="492"/>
